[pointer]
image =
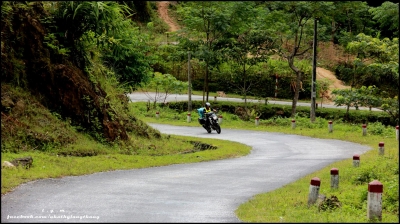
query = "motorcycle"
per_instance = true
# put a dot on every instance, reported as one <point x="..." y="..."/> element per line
<point x="212" y="123"/>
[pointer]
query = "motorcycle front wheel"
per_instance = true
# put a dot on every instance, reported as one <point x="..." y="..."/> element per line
<point x="218" y="128"/>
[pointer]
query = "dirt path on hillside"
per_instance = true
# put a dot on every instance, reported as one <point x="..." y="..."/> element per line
<point x="162" y="9"/>
<point x="336" y="83"/>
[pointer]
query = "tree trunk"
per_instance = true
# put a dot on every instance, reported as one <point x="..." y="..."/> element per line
<point x="296" y="93"/>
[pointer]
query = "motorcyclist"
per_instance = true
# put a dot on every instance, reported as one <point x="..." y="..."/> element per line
<point x="203" y="111"/>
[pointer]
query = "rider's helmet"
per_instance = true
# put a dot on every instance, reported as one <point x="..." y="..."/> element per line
<point x="208" y="105"/>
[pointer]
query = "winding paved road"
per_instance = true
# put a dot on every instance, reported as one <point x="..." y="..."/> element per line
<point x="140" y="97"/>
<point x="199" y="192"/>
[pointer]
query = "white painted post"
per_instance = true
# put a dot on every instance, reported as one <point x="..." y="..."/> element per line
<point x="330" y="128"/>
<point x="293" y="123"/>
<point x="314" y="190"/>
<point x="189" y="118"/>
<point x="374" y="204"/>
<point x="334" y="178"/>
<point x="220" y="119"/>
<point x="356" y="160"/>
<point x="257" y="121"/>
<point x="364" y="129"/>
<point x="157" y="114"/>
<point x="397" y="132"/>
<point x="381" y="148"/>
<point x="215" y="98"/>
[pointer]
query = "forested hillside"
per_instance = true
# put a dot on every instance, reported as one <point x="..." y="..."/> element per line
<point x="74" y="61"/>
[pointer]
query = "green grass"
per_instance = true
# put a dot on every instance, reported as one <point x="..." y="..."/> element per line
<point x="289" y="203"/>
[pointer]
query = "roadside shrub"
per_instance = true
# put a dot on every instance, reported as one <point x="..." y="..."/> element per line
<point x="378" y="128"/>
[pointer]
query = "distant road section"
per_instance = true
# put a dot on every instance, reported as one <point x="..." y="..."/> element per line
<point x="141" y="97"/>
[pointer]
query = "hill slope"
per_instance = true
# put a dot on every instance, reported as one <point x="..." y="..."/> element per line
<point x="322" y="73"/>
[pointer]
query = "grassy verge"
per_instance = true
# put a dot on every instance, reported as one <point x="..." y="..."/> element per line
<point x="289" y="203"/>
<point x="167" y="151"/>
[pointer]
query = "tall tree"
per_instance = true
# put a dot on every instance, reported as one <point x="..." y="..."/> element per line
<point x="376" y="63"/>
<point x="294" y="22"/>
<point x="209" y="21"/>
<point x="387" y="16"/>
<point x="246" y="49"/>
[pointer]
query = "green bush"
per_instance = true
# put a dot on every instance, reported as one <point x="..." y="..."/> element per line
<point x="356" y="117"/>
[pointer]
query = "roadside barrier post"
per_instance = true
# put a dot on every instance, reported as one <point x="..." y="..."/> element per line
<point x="364" y="129"/>
<point x="257" y="121"/>
<point x="314" y="190"/>
<point x="189" y="118"/>
<point x="330" y="128"/>
<point x="381" y="148"/>
<point x="334" y="178"/>
<point x="397" y="132"/>
<point x="293" y="123"/>
<point x="374" y="204"/>
<point x="356" y="160"/>
<point x="220" y="119"/>
<point x="157" y="114"/>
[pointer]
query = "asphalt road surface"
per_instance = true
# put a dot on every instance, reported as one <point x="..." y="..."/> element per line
<point x="198" y="192"/>
<point x="140" y="97"/>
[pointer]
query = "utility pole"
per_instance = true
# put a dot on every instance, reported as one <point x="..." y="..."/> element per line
<point x="189" y="88"/>
<point x="314" y="74"/>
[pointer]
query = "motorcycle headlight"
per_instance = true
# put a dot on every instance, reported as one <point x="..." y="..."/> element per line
<point x="215" y="118"/>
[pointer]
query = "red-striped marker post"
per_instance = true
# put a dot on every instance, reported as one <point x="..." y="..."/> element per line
<point x="330" y="126"/>
<point x="189" y="118"/>
<point x="314" y="190"/>
<point x="157" y="114"/>
<point x="381" y="148"/>
<point x="356" y="160"/>
<point x="293" y="123"/>
<point x="220" y="119"/>
<point x="257" y="121"/>
<point x="397" y="132"/>
<point x="364" y="129"/>
<point x="334" y="178"/>
<point x="374" y="204"/>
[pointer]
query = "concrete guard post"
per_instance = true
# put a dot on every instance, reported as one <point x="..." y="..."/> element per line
<point x="330" y="126"/>
<point x="364" y="129"/>
<point x="397" y="132"/>
<point x="189" y="118"/>
<point x="257" y="121"/>
<point x="220" y="119"/>
<point x="381" y="148"/>
<point x="314" y="190"/>
<point x="157" y="114"/>
<point x="374" y="204"/>
<point x="356" y="160"/>
<point x="334" y="178"/>
<point x="293" y="123"/>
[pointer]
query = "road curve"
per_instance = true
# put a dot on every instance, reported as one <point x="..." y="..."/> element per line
<point x="198" y="192"/>
<point x="143" y="97"/>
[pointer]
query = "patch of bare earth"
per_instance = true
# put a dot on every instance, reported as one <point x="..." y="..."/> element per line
<point x="336" y="83"/>
<point x="162" y="8"/>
